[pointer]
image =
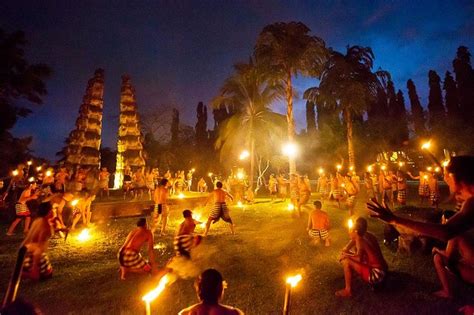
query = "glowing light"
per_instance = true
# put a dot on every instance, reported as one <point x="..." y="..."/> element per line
<point x="343" y="185"/>
<point x="429" y="168"/>
<point x="294" y="280"/>
<point x="383" y="167"/>
<point x="445" y="163"/>
<point x="426" y="145"/>
<point x="29" y="163"/>
<point x="240" y="204"/>
<point x="425" y="177"/>
<point x="245" y="154"/>
<point x="181" y="196"/>
<point x="291" y="207"/>
<point x="210" y="174"/>
<point x="401" y="164"/>
<point x="159" y="246"/>
<point x="290" y="149"/>
<point x="350" y="224"/>
<point x="369" y="168"/>
<point x="153" y="294"/>
<point x="437" y="169"/>
<point x="351" y="168"/>
<point x="31" y="179"/>
<point x="240" y="175"/>
<point x="84" y="236"/>
<point x="48" y="173"/>
<point x="321" y="171"/>
<point x="74" y="202"/>
<point x="193" y="170"/>
<point x="38" y="168"/>
<point x="15" y="172"/>
<point x="339" y="167"/>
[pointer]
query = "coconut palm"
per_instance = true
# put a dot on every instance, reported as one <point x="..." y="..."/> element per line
<point x="253" y="125"/>
<point x="348" y="81"/>
<point x="285" y="49"/>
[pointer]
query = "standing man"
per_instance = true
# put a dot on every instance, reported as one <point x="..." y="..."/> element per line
<point x="220" y="210"/>
<point x="161" y="206"/>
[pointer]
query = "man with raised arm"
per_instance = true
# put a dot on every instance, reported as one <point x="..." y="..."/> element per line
<point x="220" y="210"/>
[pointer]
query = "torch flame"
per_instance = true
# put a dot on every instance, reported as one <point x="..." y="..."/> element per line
<point x="48" y="173"/>
<point x="321" y="170"/>
<point x="437" y="169"/>
<point x="74" y="202"/>
<point x="383" y="167"/>
<point x="209" y="174"/>
<point x="291" y="207"/>
<point x="426" y="145"/>
<point x="293" y="281"/>
<point x="84" y="235"/>
<point x="29" y="163"/>
<point x="15" y="173"/>
<point x="350" y="224"/>
<point x="240" y="204"/>
<point x="245" y="154"/>
<point x="338" y="166"/>
<point x="181" y="196"/>
<point x="445" y="163"/>
<point x="38" y="168"/>
<point x="240" y="175"/>
<point x="153" y="294"/>
<point x="369" y="168"/>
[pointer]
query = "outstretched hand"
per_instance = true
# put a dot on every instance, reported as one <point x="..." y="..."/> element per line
<point x="379" y="211"/>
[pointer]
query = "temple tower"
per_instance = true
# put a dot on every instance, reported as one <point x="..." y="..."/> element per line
<point x="130" y="141"/>
<point x="83" y="143"/>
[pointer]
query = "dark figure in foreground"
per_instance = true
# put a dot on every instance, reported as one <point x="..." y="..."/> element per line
<point x="210" y="291"/>
<point x="367" y="259"/>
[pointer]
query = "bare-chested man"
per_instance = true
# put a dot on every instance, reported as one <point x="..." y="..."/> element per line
<point x="367" y="259"/>
<point x="129" y="255"/>
<point x="185" y="240"/>
<point x="401" y="188"/>
<point x="104" y="176"/>
<point x="220" y="210"/>
<point x="352" y="189"/>
<point x="83" y="210"/>
<point x="160" y="197"/>
<point x="304" y="190"/>
<point x="21" y="209"/>
<point x="36" y="265"/>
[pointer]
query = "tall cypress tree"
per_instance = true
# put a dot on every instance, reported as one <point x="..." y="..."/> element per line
<point x="201" y="124"/>
<point x="451" y="97"/>
<point x="417" y="115"/>
<point x="435" y="102"/>
<point x="465" y="82"/>
<point x="310" y="117"/>
<point x="402" y="123"/>
<point x="392" y="132"/>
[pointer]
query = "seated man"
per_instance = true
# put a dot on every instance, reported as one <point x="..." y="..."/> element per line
<point x="185" y="239"/>
<point x="318" y="224"/>
<point x="36" y="265"/>
<point x="210" y="289"/>
<point x="367" y="259"/>
<point x="457" y="259"/>
<point x="129" y="255"/>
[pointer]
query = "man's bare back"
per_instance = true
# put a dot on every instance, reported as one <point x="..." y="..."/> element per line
<point x="161" y="195"/>
<point x="370" y="251"/>
<point x="203" y="309"/>
<point x="137" y="238"/>
<point x="220" y="195"/>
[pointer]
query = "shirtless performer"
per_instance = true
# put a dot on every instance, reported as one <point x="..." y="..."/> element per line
<point x="318" y="224"/>
<point x="220" y="210"/>
<point x="352" y="189"/>
<point x="401" y="188"/>
<point x="160" y="197"/>
<point x="272" y="187"/>
<point x="457" y="259"/>
<point x="367" y="259"/>
<point x="210" y="290"/>
<point x="304" y="193"/>
<point x="129" y="255"/>
<point x="61" y="179"/>
<point x="434" y="190"/>
<point x="423" y="188"/>
<point x="185" y="240"/>
<point x="104" y="176"/>
<point x="83" y="210"/>
<point x="22" y="210"/>
<point x="58" y="201"/>
<point x="36" y="265"/>
<point x="282" y="187"/>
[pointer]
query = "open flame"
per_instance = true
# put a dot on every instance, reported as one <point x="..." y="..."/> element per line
<point x="153" y="294"/>
<point x="293" y="280"/>
<point x="426" y="145"/>
<point x="84" y="236"/>
<point x="291" y="207"/>
<point x="181" y="196"/>
<point x="350" y="224"/>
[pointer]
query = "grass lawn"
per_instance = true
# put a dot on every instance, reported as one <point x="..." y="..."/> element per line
<point x="268" y="245"/>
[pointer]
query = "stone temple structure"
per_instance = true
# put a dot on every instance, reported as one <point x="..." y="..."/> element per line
<point x="130" y="140"/>
<point x="83" y="143"/>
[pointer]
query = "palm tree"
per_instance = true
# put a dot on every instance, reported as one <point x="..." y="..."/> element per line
<point x="285" y="49"/>
<point x="348" y="81"/>
<point x="254" y="125"/>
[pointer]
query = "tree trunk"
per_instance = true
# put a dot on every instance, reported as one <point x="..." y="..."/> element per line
<point x="350" y="140"/>
<point x="252" y="162"/>
<point x="290" y="120"/>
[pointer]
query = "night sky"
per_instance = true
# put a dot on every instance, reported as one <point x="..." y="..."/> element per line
<point x="179" y="52"/>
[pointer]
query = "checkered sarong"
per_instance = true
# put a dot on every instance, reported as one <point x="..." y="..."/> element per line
<point x="183" y="245"/>
<point x="424" y="190"/>
<point x="315" y="233"/>
<point x="22" y="210"/>
<point x="434" y="197"/>
<point x="131" y="259"/>
<point x="220" y="211"/>
<point x="402" y="196"/>
<point x="46" y="270"/>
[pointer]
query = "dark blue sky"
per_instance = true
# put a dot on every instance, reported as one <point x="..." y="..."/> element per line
<point x="179" y="52"/>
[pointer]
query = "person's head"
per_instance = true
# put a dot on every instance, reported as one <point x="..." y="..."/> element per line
<point x="163" y="182"/>
<point x="141" y="222"/>
<point x="360" y="226"/>
<point x="459" y="173"/>
<point x="44" y="209"/>
<point x="210" y="287"/>
<point x="447" y="214"/>
<point x="317" y="204"/>
<point x="187" y="213"/>
<point x="219" y="184"/>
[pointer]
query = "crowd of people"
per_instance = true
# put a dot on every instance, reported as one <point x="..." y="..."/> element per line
<point x="361" y="256"/>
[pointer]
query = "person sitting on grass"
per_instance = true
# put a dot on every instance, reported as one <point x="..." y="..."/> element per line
<point x="457" y="259"/>
<point x="36" y="265"/>
<point x="220" y="209"/>
<point x="185" y="240"/>
<point x="129" y="255"/>
<point x="318" y="224"/>
<point x="367" y="259"/>
<point x="210" y="290"/>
